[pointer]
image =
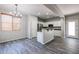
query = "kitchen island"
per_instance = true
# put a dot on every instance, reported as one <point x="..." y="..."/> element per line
<point x="45" y="36"/>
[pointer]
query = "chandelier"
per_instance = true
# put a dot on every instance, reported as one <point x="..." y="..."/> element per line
<point x="16" y="12"/>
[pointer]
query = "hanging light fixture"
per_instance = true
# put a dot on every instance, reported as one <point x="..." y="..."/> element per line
<point x="16" y="9"/>
<point x="17" y="13"/>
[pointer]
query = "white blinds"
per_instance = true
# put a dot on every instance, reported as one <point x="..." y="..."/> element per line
<point x="10" y="23"/>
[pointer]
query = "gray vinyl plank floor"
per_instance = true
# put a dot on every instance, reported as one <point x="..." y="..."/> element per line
<point x="31" y="46"/>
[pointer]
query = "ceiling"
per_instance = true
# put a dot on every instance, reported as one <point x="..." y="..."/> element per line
<point x="43" y="11"/>
<point x="69" y="8"/>
<point x="29" y="9"/>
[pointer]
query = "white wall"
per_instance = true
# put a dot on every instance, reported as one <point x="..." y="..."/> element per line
<point x="62" y="20"/>
<point x="32" y="26"/>
<point x="8" y="35"/>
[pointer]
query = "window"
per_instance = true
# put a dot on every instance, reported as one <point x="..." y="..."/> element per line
<point x="71" y="28"/>
<point x="10" y="23"/>
<point x="16" y="23"/>
<point x="6" y="23"/>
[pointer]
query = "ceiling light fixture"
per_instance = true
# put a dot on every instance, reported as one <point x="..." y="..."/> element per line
<point x="16" y="6"/>
<point x="16" y="12"/>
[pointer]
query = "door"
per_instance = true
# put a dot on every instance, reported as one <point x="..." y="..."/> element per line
<point x="71" y="29"/>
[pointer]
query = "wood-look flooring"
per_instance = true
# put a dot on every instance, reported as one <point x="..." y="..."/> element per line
<point x="31" y="46"/>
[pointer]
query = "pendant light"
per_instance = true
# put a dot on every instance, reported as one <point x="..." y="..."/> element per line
<point x="17" y="13"/>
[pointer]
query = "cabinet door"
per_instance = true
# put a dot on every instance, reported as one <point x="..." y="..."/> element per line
<point x="34" y="27"/>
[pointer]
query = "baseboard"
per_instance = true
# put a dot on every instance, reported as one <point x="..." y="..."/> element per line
<point x="72" y="37"/>
<point x="58" y="36"/>
<point x="12" y="40"/>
